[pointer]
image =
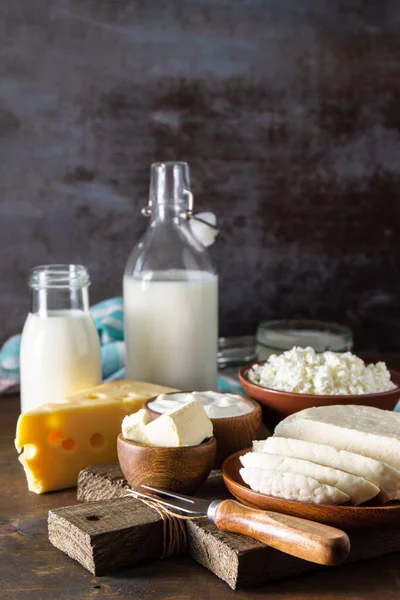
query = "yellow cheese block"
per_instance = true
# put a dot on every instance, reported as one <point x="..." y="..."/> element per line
<point x="61" y="438"/>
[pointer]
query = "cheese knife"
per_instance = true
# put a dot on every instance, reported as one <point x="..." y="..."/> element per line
<point x="305" y="539"/>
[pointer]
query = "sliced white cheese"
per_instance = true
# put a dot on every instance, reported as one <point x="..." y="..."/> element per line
<point x="133" y="427"/>
<point x="187" y="425"/>
<point x="384" y="476"/>
<point x="361" y="429"/>
<point x="357" y="488"/>
<point x="292" y="486"/>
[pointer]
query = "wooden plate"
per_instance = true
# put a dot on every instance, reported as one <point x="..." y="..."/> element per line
<point x="346" y="517"/>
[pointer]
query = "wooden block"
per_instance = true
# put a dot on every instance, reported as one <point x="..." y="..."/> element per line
<point x="101" y="482"/>
<point x="236" y="559"/>
<point x="243" y="562"/>
<point x="239" y="560"/>
<point x="107" y="535"/>
<point x="105" y="482"/>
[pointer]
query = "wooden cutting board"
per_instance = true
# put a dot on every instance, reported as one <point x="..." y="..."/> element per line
<point x="109" y="532"/>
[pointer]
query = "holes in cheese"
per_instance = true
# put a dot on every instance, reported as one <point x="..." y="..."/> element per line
<point x="68" y="444"/>
<point x="61" y="439"/>
<point x="97" y="440"/>
<point x="95" y="397"/>
<point x="55" y="436"/>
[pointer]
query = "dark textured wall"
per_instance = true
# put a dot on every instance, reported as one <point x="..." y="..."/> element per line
<point x="288" y="113"/>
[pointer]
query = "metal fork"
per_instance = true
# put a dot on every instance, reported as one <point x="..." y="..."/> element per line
<point x="305" y="539"/>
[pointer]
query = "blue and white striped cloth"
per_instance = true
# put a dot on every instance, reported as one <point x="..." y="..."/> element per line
<point x="109" y="320"/>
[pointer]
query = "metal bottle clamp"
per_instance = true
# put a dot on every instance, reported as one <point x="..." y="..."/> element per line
<point x="188" y="196"/>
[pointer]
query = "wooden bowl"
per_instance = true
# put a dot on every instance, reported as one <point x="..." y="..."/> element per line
<point x="182" y="469"/>
<point x="346" y="517"/>
<point x="278" y="405"/>
<point x="232" y="433"/>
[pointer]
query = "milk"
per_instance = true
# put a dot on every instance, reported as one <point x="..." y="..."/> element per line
<point x="60" y="356"/>
<point x="171" y="329"/>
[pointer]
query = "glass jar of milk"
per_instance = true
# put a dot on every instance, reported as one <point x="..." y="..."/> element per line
<point x="171" y="292"/>
<point x="60" y="348"/>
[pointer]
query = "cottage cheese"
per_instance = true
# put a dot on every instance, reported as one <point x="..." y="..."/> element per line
<point x="303" y="371"/>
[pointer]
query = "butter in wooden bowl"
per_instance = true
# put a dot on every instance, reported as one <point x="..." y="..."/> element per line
<point x="57" y="440"/>
<point x="175" y="452"/>
<point x="236" y="419"/>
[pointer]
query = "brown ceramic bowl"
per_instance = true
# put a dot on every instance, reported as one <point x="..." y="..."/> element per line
<point x="232" y="433"/>
<point x="182" y="469"/>
<point x="278" y="405"/>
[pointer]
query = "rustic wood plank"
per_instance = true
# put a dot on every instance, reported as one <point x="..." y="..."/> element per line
<point x="105" y="482"/>
<point x="108" y="535"/>
<point x="101" y="482"/>
<point x="238" y="560"/>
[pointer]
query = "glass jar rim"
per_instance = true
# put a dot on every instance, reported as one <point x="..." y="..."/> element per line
<point x="283" y="330"/>
<point x="59" y="276"/>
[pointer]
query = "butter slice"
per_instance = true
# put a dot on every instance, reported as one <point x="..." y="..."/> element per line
<point x="188" y="425"/>
<point x="133" y="427"/>
<point x="60" y="439"/>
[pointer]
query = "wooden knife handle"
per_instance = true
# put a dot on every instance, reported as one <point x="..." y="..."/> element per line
<point x="309" y="540"/>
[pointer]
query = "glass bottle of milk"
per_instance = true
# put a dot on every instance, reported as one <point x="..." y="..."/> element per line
<point x="171" y="292"/>
<point x="60" y="348"/>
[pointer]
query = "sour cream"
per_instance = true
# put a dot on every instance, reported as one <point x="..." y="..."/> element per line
<point x="215" y="404"/>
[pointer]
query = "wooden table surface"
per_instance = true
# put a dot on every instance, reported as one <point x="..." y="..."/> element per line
<point x="31" y="568"/>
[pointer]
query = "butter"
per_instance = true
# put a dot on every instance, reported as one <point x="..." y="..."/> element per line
<point x="133" y="427"/>
<point x="188" y="425"/>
